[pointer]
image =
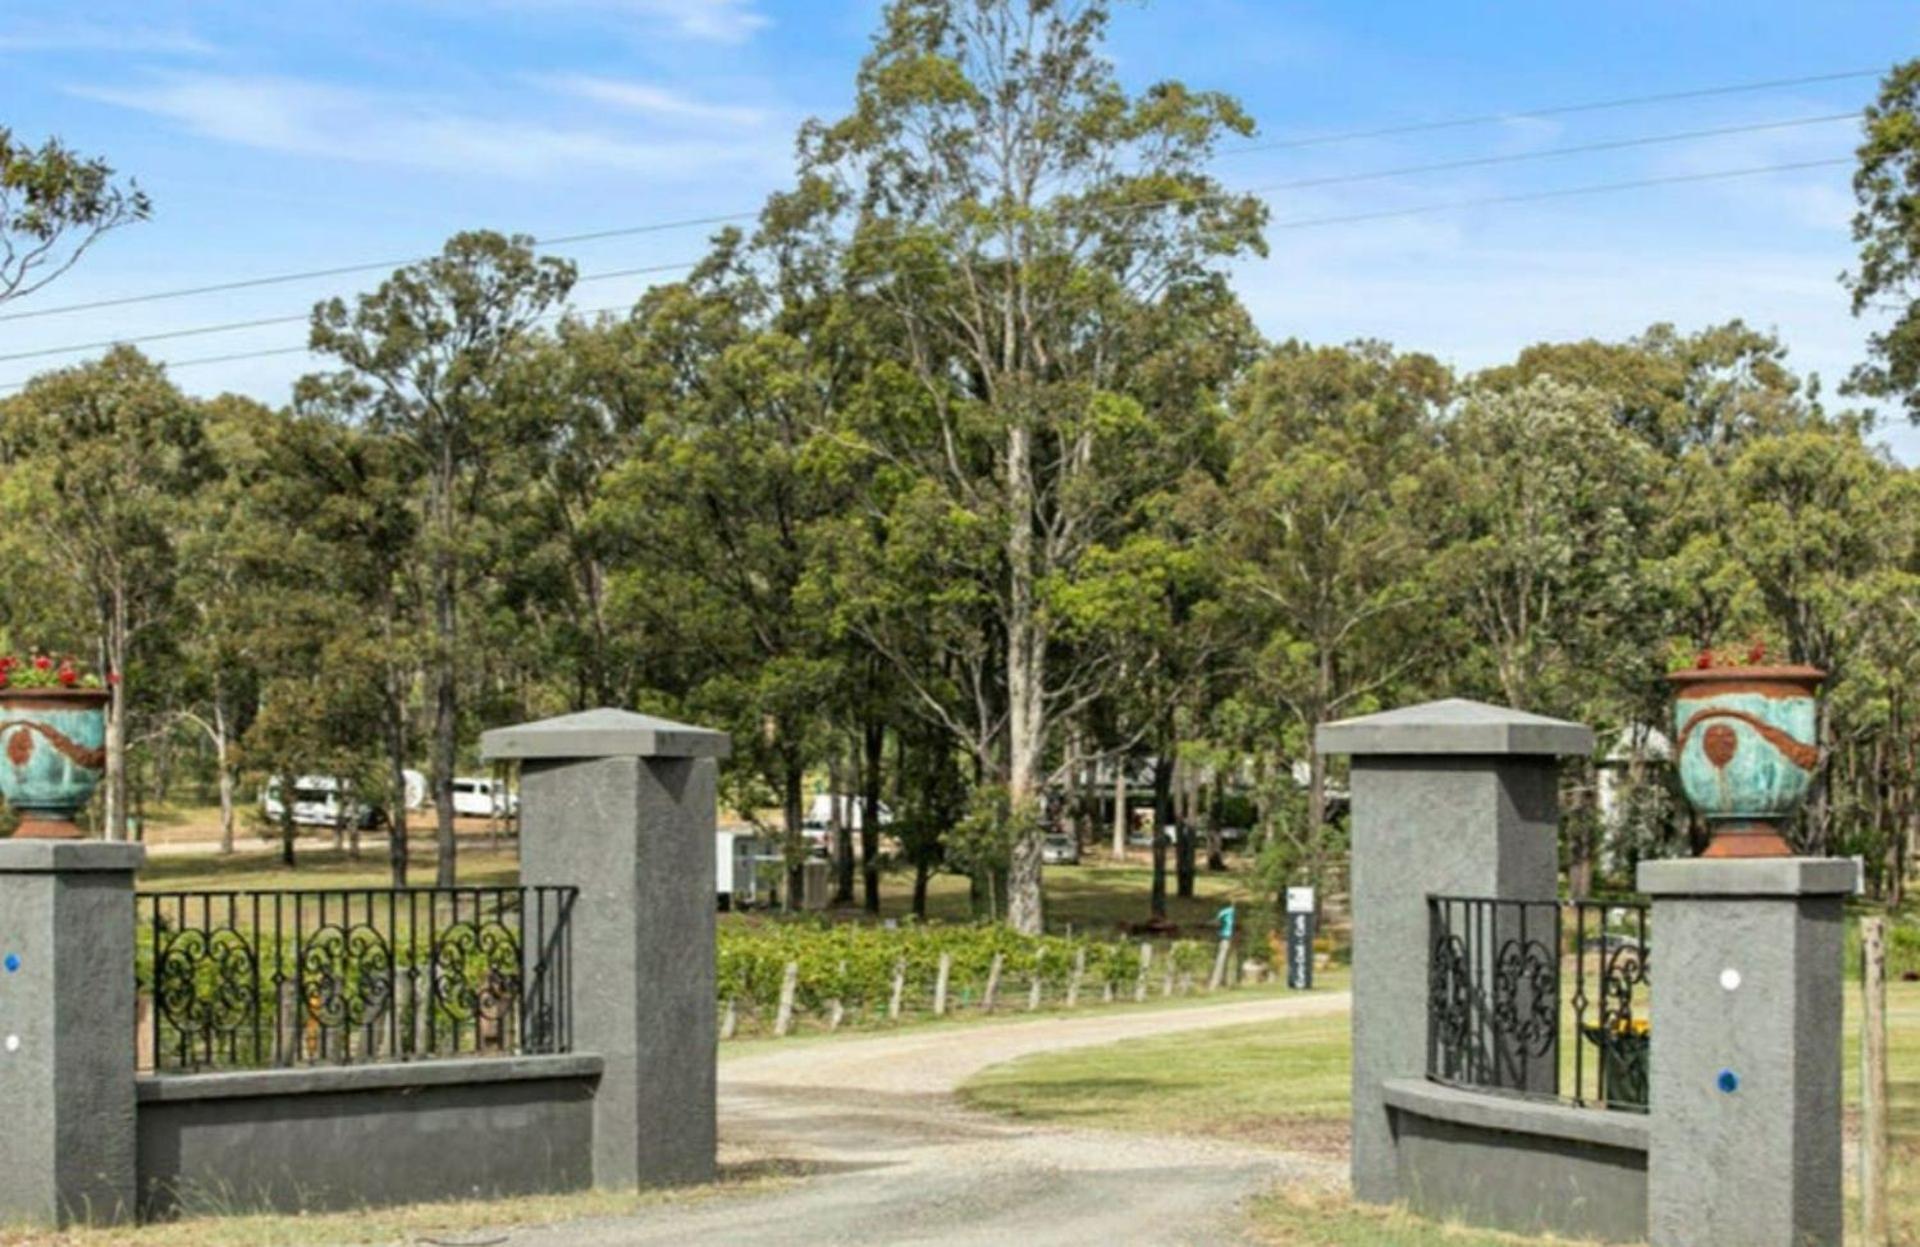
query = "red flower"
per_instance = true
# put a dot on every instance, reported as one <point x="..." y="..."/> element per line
<point x="68" y="675"/>
<point x="1705" y="660"/>
<point x="1756" y="653"/>
<point x="113" y="677"/>
<point x="41" y="662"/>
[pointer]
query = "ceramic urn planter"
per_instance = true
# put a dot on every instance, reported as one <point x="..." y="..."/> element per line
<point x="52" y="754"/>
<point x="1746" y="746"/>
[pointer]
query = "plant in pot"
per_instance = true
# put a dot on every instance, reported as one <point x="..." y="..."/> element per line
<point x="53" y="728"/>
<point x="1745" y="745"/>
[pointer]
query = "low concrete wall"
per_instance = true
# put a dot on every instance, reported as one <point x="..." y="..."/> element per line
<point x="352" y="1137"/>
<point x="1520" y="1165"/>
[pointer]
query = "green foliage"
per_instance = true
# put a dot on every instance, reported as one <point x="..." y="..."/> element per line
<point x="854" y="964"/>
<point x="54" y="205"/>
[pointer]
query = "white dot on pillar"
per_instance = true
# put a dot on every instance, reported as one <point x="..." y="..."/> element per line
<point x="13" y="1043"/>
<point x="1729" y="978"/>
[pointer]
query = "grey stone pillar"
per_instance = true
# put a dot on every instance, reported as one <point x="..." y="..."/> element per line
<point x="1744" y="1083"/>
<point x="1451" y="797"/>
<point x="621" y="805"/>
<point x="66" y="1031"/>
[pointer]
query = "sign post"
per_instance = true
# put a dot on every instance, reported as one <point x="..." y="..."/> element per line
<point x="1300" y="938"/>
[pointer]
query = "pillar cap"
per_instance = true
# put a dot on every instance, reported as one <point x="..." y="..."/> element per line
<point x="52" y="857"/>
<point x="1750" y="876"/>
<point x="1454" y="726"/>
<point x="603" y="733"/>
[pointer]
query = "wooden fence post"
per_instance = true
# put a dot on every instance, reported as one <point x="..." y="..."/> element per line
<point x="1146" y="967"/>
<point x="789" y="986"/>
<point x="1873" y="1082"/>
<point x="940" y="985"/>
<point x="730" y="1022"/>
<point x="993" y="983"/>
<point x="899" y="989"/>
<point x="1218" y="978"/>
<point x="1073" y="983"/>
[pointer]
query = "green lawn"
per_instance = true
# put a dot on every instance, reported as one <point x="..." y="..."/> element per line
<point x="1287" y="1085"/>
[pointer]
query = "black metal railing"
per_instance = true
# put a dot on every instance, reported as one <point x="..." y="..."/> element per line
<point x="1540" y="998"/>
<point x="242" y="980"/>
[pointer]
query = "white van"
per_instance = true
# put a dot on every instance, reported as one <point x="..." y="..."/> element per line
<point x="477" y="797"/>
<point x="320" y="801"/>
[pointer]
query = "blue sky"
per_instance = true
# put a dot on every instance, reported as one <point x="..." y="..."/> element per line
<point x="278" y="137"/>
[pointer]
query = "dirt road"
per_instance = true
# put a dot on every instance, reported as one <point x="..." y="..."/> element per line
<point x="893" y="1158"/>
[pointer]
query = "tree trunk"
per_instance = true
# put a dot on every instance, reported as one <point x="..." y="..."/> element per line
<point x="876" y="742"/>
<point x="222" y="760"/>
<point x="794" y="846"/>
<point x="1216" y="844"/>
<point x="396" y="716"/>
<point x="920" y="876"/>
<point x="1162" y="816"/>
<point x="1184" y="855"/>
<point x="1026" y="692"/>
<point x="286" y="819"/>
<point x="842" y="803"/>
<point x="114" y="826"/>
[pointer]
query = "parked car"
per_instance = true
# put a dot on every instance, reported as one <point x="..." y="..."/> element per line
<point x="321" y="801"/>
<point x="477" y="797"/>
<point x="1060" y="849"/>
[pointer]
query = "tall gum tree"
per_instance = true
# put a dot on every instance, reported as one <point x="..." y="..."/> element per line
<point x="1014" y="213"/>
<point x="425" y="357"/>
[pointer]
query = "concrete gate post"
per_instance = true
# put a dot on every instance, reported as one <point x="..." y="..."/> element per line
<point x="1744" y="1078"/>
<point x="67" y="1031"/>
<point x="621" y="805"/>
<point x="1451" y="797"/>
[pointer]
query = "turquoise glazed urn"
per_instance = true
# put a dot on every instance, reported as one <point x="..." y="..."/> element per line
<point x="52" y="753"/>
<point x="1746" y="745"/>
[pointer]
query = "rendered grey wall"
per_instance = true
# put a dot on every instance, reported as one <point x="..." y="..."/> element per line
<point x="1523" y="1166"/>
<point x="329" y="1139"/>
<point x="1472" y="826"/>
<point x="66" y="1031"/>
<point x="636" y="835"/>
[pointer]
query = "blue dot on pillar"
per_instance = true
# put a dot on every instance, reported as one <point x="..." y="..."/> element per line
<point x="1729" y="1081"/>
<point x="13" y="962"/>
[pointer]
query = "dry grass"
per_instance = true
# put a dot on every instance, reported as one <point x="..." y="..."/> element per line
<point x="474" y="1219"/>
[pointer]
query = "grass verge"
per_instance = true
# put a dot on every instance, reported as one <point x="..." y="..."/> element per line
<point x="407" y="1223"/>
<point x="1286" y="1085"/>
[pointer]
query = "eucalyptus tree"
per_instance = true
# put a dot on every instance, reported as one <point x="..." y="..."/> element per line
<point x="1886" y="188"/>
<point x="1326" y="529"/>
<point x="1012" y="214"/>
<point x="55" y="204"/>
<point x="338" y="499"/>
<point x="424" y="360"/>
<point x="103" y="462"/>
<point x="713" y="516"/>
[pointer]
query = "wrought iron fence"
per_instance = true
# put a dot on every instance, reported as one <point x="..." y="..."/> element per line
<point x="240" y="980"/>
<point x="1541" y="998"/>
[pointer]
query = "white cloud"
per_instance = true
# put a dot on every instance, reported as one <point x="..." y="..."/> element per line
<point x="288" y="115"/>
<point x="653" y="101"/>
<point x="94" y="37"/>
<point x="714" y="21"/>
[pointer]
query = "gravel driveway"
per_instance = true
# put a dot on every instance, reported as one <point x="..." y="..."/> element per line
<point x="893" y="1158"/>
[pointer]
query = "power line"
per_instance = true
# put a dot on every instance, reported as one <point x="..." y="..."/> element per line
<point x="1597" y="188"/>
<point x="265" y="321"/>
<point x="1605" y="145"/>
<point x="1350" y="136"/>
<point x="1558" y="110"/>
